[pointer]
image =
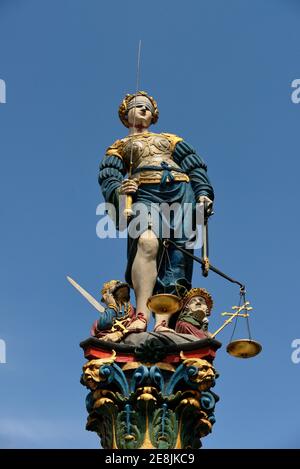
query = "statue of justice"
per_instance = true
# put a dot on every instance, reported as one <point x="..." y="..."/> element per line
<point x="162" y="169"/>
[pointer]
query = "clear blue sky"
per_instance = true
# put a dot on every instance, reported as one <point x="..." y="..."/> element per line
<point x="221" y="72"/>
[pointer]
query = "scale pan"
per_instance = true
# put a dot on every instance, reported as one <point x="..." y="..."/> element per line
<point x="164" y="303"/>
<point x="244" y="348"/>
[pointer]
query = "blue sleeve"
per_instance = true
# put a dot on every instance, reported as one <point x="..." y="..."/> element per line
<point x="106" y="319"/>
<point x="111" y="173"/>
<point x="193" y="165"/>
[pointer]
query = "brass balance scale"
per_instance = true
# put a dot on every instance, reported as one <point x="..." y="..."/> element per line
<point x="164" y="303"/>
<point x="240" y="348"/>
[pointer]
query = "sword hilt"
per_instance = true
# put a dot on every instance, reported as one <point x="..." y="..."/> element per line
<point x="128" y="212"/>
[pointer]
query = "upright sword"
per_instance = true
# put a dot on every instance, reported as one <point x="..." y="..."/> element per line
<point x="128" y="200"/>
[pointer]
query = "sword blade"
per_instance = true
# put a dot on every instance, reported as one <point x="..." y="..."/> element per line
<point x="205" y="265"/>
<point x="86" y="295"/>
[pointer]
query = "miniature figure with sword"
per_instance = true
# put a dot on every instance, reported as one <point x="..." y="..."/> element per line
<point x="118" y="314"/>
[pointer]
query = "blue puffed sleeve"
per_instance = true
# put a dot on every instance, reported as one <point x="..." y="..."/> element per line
<point x="193" y="165"/>
<point x="106" y="319"/>
<point x="111" y="173"/>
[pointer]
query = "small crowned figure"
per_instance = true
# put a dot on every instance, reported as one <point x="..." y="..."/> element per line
<point x="162" y="169"/>
<point x="193" y="318"/>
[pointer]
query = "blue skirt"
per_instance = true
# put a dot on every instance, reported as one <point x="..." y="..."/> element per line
<point x="175" y="269"/>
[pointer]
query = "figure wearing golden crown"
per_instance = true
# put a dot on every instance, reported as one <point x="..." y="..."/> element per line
<point x="193" y="317"/>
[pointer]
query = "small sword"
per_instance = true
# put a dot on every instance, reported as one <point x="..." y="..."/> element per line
<point x="87" y="295"/>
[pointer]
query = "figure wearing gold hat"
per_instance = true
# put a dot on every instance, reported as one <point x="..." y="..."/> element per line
<point x="193" y="318"/>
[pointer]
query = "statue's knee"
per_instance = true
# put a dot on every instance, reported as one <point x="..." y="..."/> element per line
<point x="148" y="244"/>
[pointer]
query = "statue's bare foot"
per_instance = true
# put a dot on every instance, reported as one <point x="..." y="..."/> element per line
<point x="138" y="324"/>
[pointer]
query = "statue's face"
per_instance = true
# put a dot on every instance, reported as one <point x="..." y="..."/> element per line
<point x="197" y="303"/>
<point x="143" y="116"/>
<point x="91" y="374"/>
<point x="108" y="297"/>
<point x="206" y="376"/>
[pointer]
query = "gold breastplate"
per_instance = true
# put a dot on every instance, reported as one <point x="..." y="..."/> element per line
<point x="150" y="150"/>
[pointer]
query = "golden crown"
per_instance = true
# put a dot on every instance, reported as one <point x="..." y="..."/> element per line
<point x="198" y="292"/>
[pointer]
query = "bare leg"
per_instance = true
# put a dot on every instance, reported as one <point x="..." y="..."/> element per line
<point x="144" y="271"/>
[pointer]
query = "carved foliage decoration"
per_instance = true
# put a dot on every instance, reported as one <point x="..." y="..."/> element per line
<point x="149" y="405"/>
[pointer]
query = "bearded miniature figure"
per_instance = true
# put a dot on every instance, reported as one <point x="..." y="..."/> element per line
<point x="118" y="313"/>
<point x="193" y="318"/>
<point x="162" y="169"/>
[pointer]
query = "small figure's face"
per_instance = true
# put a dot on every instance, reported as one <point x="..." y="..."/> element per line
<point x="197" y="304"/>
<point x="140" y="116"/>
<point x="108" y="297"/>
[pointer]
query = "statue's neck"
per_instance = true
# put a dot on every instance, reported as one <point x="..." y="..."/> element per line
<point x="138" y="130"/>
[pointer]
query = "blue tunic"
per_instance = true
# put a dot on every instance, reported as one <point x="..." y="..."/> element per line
<point x="175" y="269"/>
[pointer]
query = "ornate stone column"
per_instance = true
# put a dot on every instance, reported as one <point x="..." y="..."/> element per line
<point x="155" y="395"/>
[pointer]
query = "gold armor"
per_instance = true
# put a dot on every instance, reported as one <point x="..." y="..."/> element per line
<point x="148" y="149"/>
